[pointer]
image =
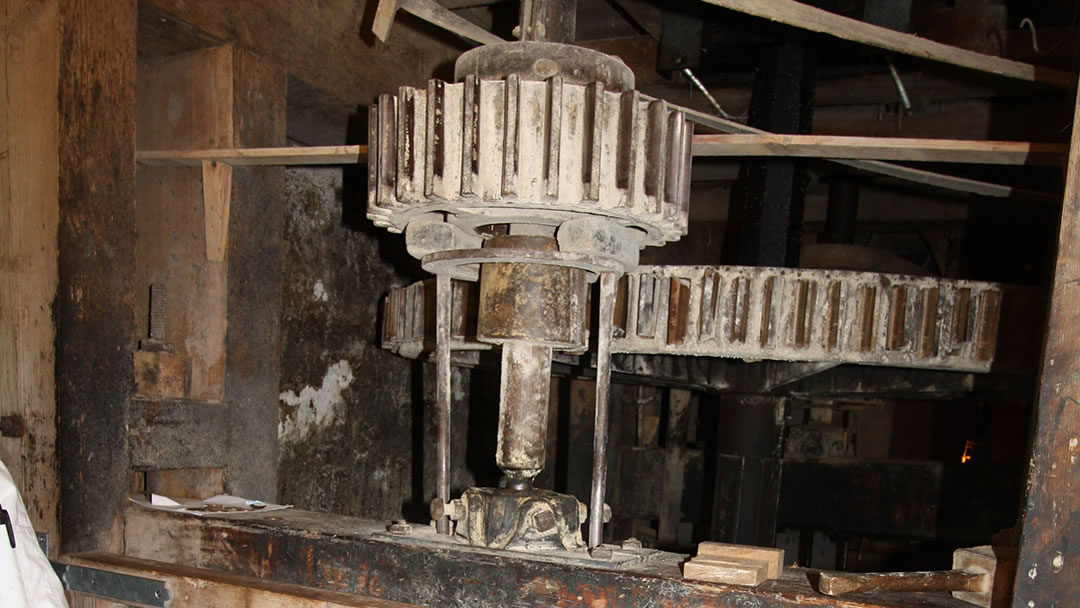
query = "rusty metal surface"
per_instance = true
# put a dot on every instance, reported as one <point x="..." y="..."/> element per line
<point x="787" y="315"/>
<point x="524" y="391"/>
<point x="534" y="303"/>
<point x="532" y="519"/>
<point x="539" y="61"/>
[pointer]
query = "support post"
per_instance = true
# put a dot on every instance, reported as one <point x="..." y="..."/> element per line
<point x="1048" y="566"/>
<point x="603" y="393"/>
<point x="442" y="394"/>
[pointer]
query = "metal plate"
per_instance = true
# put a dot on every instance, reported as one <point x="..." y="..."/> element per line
<point x="123" y="588"/>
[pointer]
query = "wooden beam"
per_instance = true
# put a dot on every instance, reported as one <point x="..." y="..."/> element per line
<point x="325" y="44"/>
<point x="881" y="148"/>
<point x="315" y="155"/>
<point x="910" y="174"/>
<point x="29" y="215"/>
<point x="797" y="14"/>
<point x="741" y="145"/>
<point x="1049" y="561"/>
<point x="95" y="319"/>
<point x="190" y="587"/>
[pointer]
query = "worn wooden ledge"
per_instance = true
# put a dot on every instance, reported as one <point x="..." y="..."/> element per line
<point x="356" y="556"/>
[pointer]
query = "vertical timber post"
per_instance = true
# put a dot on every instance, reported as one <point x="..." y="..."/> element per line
<point x="1048" y="564"/>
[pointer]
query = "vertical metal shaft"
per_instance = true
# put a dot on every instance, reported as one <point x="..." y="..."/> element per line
<point x="442" y="393"/>
<point x="603" y="385"/>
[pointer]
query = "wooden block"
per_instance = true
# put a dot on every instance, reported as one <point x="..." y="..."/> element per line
<point x="159" y="375"/>
<point x="186" y="483"/>
<point x="774" y="558"/>
<point x="217" y="194"/>
<point x="746" y="572"/>
<point x="999" y="563"/>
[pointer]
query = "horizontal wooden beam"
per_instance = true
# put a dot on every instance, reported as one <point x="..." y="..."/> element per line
<point x="734" y="145"/>
<point x="909" y="174"/>
<point x="195" y="587"/>
<point x="881" y="148"/>
<point x="313" y="155"/>
<point x="797" y="14"/>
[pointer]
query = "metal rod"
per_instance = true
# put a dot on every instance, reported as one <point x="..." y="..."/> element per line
<point x="600" y="433"/>
<point x="900" y="90"/>
<point x="708" y="96"/>
<point x="442" y="393"/>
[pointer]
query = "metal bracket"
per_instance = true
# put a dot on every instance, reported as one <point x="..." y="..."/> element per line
<point x="111" y="585"/>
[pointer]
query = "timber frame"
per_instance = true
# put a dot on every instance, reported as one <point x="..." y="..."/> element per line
<point x="71" y="180"/>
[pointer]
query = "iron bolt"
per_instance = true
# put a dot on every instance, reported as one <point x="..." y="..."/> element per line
<point x="455" y="509"/>
<point x="544" y="521"/>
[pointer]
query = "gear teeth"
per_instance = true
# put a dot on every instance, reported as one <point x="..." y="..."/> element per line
<point x="499" y="150"/>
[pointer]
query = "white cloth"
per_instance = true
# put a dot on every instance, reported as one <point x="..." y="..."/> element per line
<point x="27" y="579"/>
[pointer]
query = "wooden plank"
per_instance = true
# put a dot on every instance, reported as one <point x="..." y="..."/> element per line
<point x="174" y="247"/>
<point x="217" y="195"/>
<point x="797" y="14"/>
<point x="910" y="174"/>
<point x="326" y="44"/>
<point x="841" y="583"/>
<point x="1049" y="561"/>
<point x="94" y="316"/>
<point x="190" y="587"/>
<point x="314" y="155"/>
<point x="881" y="148"/>
<point x="678" y="423"/>
<point x="748" y="572"/>
<point x="773" y="558"/>
<point x="742" y="145"/>
<point x="29" y="212"/>
<point x="433" y="13"/>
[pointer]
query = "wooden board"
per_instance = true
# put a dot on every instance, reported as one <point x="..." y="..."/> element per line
<point x="190" y="587"/>
<point x="314" y="155"/>
<point x="746" y="572"/>
<point x="94" y="315"/>
<point x="910" y="174"/>
<point x="29" y="211"/>
<point x="881" y="148"/>
<point x="1049" y="562"/>
<point x="797" y="14"/>
<point x="774" y="558"/>
<point x="173" y="243"/>
<point x="741" y="145"/>
<point x="327" y="44"/>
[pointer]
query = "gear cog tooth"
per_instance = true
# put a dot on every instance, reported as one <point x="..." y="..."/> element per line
<point x="517" y="150"/>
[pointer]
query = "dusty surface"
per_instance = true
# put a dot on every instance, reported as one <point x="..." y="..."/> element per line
<point x="346" y="407"/>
